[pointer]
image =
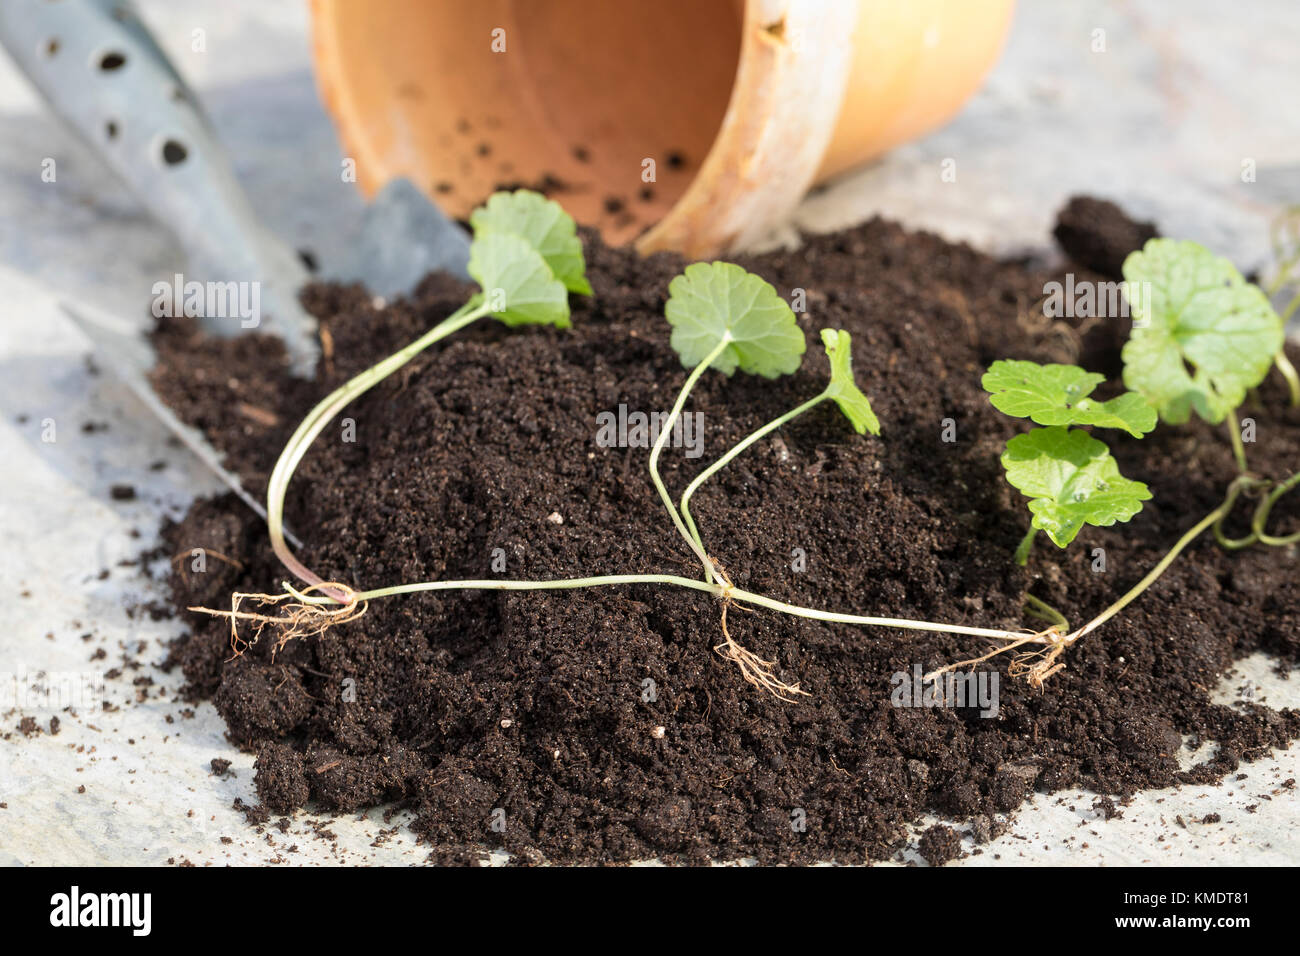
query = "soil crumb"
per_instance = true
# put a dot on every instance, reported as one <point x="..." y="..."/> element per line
<point x="939" y="844"/>
<point x="1098" y="235"/>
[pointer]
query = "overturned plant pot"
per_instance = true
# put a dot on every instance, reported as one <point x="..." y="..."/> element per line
<point x="695" y="130"/>
<point x="600" y="725"/>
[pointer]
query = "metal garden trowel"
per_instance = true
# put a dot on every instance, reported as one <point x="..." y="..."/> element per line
<point x="100" y="69"/>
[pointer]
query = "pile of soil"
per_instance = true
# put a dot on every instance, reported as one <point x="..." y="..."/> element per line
<point x="599" y="725"/>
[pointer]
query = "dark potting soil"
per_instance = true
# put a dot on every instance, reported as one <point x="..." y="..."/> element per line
<point x="1097" y="234"/>
<point x="599" y="725"/>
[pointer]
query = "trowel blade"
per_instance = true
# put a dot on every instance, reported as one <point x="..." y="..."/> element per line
<point x="128" y="353"/>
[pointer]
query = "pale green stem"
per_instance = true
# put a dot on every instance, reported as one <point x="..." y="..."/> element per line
<point x="1238" y="448"/>
<point x="1232" y="544"/>
<point x="1037" y="607"/>
<point x="1289" y="373"/>
<point x="495" y="584"/>
<point x="1290" y="308"/>
<point x="750" y="597"/>
<point x="1283" y="275"/>
<point x="719" y="590"/>
<point x="1025" y="546"/>
<point x="739" y="447"/>
<point x="1262" y="512"/>
<point x="320" y="416"/>
<point x="664" y="432"/>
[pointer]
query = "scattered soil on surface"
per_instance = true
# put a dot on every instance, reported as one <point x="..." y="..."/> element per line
<point x="939" y="844"/>
<point x="530" y="721"/>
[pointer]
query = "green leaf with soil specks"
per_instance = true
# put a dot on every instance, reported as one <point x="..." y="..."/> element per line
<point x="518" y="285"/>
<point x="712" y="300"/>
<point x="544" y="224"/>
<point x="1072" y="481"/>
<point x="1202" y="335"/>
<point x="843" y="389"/>
<point x="1058" y="395"/>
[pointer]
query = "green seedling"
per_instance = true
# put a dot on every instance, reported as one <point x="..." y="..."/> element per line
<point x="725" y="318"/>
<point x="1069" y="476"/>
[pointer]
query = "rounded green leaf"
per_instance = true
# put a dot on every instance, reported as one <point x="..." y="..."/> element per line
<point x="843" y="389"/>
<point x="1072" y="481"/>
<point x="518" y="285"/>
<point x="1058" y="395"/>
<point x="1202" y="335"/>
<point x="544" y="224"/>
<point x="711" y="301"/>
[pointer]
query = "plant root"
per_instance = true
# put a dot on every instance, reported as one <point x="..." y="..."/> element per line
<point x="1039" y="664"/>
<point x="300" y="618"/>
<point x="753" y="668"/>
<point x="1035" y="665"/>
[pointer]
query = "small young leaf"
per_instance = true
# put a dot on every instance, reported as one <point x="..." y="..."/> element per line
<point x="1058" y="395"/>
<point x="1202" y="335"/>
<point x="517" y="283"/>
<point x="713" y="299"/>
<point x="843" y="389"/>
<point x="544" y="224"/>
<point x="1072" y="481"/>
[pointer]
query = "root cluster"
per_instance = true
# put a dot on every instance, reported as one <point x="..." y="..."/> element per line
<point x="297" y="618"/>
<point x="1035" y="665"/>
<point x="754" y="669"/>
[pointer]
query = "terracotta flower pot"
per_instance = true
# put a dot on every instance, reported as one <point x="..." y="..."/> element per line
<point x="703" y="121"/>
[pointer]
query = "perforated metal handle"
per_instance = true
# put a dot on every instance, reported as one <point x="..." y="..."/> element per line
<point x="99" y="68"/>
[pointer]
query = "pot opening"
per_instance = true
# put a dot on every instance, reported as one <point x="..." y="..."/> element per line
<point x="610" y="108"/>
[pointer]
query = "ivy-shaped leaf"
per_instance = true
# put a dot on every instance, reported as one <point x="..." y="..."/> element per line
<point x="713" y="300"/>
<point x="544" y="224"/>
<point x="1058" y="395"/>
<point x="842" y="388"/>
<point x="1072" y="481"/>
<point x="517" y="283"/>
<point x="1202" y="335"/>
